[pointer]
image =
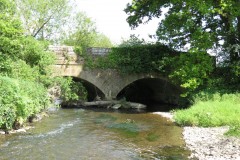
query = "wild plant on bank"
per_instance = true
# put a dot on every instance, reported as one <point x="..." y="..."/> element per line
<point x="19" y="100"/>
<point x="210" y="110"/>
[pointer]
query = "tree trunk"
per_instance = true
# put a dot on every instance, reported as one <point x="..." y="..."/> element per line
<point x="112" y="103"/>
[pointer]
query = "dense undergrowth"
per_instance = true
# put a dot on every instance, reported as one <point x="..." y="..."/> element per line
<point x="19" y="100"/>
<point x="25" y="72"/>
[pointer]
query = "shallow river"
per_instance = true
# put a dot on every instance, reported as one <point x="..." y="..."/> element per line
<point x="79" y="134"/>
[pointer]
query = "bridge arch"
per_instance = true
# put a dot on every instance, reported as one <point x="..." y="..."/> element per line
<point x="93" y="91"/>
<point x="112" y="84"/>
<point x="150" y="90"/>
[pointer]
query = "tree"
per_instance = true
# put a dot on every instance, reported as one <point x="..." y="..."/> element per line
<point x="43" y="19"/>
<point x="83" y="34"/>
<point x="132" y="41"/>
<point x="101" y="40"/>
<point x="10" y="32"/>
<point x="205" y="25"/>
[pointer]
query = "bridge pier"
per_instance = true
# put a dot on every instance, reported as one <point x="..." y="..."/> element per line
<point x="108" y="96"/>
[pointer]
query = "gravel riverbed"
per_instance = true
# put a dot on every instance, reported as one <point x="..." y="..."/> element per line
<point x="209" y="143"/>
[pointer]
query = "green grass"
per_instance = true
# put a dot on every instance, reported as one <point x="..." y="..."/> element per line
<point x="234" y="131"/>
<point x="212" y="110"/>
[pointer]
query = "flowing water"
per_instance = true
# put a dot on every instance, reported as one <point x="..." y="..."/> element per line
<point x="80" y="134"/>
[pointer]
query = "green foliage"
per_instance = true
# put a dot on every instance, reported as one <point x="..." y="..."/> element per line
<point x="43" y="19"/>
<point x="71" y="91"/>
<point x="203" y="25"/>
<point x="138" y="58"/>
<point x="30" y="63"/>
<point x="83" y="34"/>
<point x="132" y="41"/>
<point x="10" y="31"/>
<point x="24" y="70"/>
<point x="234" y="131"/>
<point x="21" y="70"/>
<point x="190" y="70"/>
<point x="20" y="100"/>
<point x="211" y="110"/>
<point x="35" y="52"/>
<point x="102" y="41"/>
<point x="223" y="80"/>
<point x="236" y="69"/>
<point x="21" y="56"/>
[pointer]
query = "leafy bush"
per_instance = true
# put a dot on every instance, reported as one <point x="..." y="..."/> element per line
<point x="71" y="91"/>
<point x="20" y="100"/>
<point x="140" y="58"/>
<point x="190" y="70"/>
<point x="25" y="71"/>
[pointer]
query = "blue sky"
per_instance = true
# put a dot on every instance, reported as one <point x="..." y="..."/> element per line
<point x="111" y="19"/>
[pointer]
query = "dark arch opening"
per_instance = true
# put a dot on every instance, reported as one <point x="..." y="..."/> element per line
<point x="92" y="91"/>
<point x="157" y="94"/>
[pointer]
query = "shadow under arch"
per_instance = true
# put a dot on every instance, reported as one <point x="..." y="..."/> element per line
<point x="93" y="91"/>
<point x="152" y="92"/>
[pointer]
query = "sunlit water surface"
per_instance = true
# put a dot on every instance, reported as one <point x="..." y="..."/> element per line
<point x="79" y="134"/>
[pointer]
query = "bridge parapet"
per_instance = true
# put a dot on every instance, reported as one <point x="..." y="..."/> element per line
<point x="65" y="55"/>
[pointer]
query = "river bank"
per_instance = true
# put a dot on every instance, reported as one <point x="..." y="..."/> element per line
<point x="209" y="143"/>
<point x="28" y="125"/>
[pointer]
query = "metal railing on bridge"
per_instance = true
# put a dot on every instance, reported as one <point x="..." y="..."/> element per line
<point x="66" y="54"/>
<point x="69" y="50"/>
<point x="98" y="51"/>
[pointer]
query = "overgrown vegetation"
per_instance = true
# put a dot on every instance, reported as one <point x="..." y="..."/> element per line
<point x="71" y="91"/>
<point x="25" y="72"/>
<point x="211" y="27"/>
<point x="190" y="70"/>
<point x="20" y="99"/>
<point x="83" y="34"/>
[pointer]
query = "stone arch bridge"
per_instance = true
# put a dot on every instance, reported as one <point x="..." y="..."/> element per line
<point x="109" y="83"/>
